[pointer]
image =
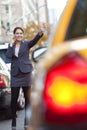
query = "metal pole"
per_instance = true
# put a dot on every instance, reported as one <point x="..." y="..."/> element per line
<point x="0" y="25"/>
<point x="23" y="13"/>
<point x="10" y="15"/>
<point x="46" y="11"/>
<point x="37" y="12"/>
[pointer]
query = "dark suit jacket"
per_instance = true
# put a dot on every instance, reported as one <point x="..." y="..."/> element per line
<point x="21" y="62"/>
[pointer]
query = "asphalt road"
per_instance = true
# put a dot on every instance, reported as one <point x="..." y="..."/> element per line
<point x="5" y="124"/>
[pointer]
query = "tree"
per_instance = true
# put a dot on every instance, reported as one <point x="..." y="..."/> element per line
<point x="32" y="29"/>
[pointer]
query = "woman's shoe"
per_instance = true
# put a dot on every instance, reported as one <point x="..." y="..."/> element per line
<point x="14" y="124"/>
<point x="13" y="128"/>
<point x="25" y="127"/>
<point x="26" y="123"/>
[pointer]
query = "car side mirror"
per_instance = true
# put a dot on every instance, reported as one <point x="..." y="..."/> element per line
<point x="37" y="53"/>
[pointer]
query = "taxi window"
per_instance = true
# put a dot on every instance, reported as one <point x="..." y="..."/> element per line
<point x="78" y="23"/>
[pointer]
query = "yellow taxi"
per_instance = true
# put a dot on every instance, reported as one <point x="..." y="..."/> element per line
<point x="59" y="92"/>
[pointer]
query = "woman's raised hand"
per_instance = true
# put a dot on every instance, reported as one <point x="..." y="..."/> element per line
<point x="12" y="39"/>
<point x="42" y="28"/>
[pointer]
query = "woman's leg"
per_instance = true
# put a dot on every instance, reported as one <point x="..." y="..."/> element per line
<point x="14" y="97"/>
<point x="26" y="91"/>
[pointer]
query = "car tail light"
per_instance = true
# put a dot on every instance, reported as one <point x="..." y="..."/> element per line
<point x="2" y="81"/>
<point x="65" y="90"/>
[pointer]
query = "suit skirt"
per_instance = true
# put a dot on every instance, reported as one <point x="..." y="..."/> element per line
<point x="21" y="79"/>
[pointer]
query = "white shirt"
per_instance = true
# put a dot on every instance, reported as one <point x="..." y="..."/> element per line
<point x="16" y="51"/>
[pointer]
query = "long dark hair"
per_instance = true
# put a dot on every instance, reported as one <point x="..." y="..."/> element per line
<point x="17" y="28"/>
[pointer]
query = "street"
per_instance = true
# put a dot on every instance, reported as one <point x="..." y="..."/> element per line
<point x="6" y="123"/>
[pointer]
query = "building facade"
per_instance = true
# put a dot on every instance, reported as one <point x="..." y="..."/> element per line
<point x="20" y="13"/>
<point x="10" y="11"/>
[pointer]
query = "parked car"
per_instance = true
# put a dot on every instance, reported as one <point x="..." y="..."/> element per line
<point x="59" y="91"/>
<point x="38" y="53"/>
<point x="5" y="93"/>
<point x="5" y="64"/>
<point x="3" y="49"/>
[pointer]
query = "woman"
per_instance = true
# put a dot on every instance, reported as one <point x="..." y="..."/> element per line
<point x="21" y="69"/>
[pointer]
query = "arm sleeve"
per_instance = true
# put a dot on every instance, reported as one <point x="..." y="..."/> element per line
<point x="35" y="40"/>
<point x="9" y="52"/>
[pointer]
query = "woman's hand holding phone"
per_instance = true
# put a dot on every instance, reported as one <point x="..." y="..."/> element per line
<point x="12" y="39"/>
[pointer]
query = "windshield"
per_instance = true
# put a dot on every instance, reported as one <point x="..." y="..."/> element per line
<point x="78" y="24"/>
<point x="3" y="56"/>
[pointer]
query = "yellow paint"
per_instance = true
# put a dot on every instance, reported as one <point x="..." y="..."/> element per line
<point x="66" y="92"/>
<point x="83" y="53"/>
<point x="63" y="23"/>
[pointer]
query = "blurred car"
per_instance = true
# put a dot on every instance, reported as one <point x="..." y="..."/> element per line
<point x="38" y="53"/>
<point x="5" y="64"/>
<point x="3" y="49"/>
<point x="4" y="86"/>
<point x="59" y="92"/>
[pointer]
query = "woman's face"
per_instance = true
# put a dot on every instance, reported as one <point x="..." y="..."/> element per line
<point x="18" y="35"/>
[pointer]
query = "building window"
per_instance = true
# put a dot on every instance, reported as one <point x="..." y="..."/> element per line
<point x="6" y="7"/>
